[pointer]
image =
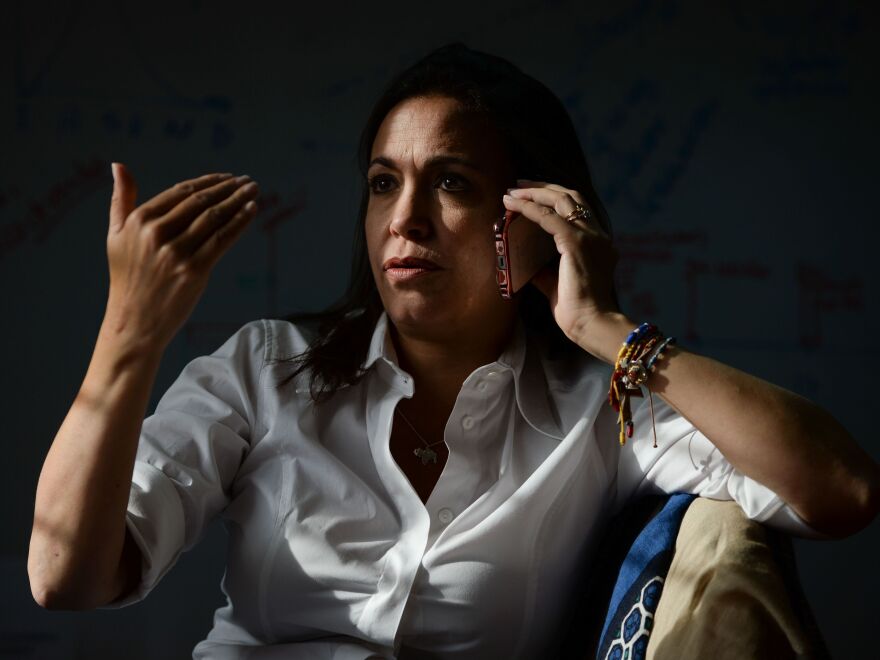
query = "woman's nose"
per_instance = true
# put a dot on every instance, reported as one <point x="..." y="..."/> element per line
<point x="412" y="217"/>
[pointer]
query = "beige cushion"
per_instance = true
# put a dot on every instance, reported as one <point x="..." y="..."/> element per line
<point x="724" y="596"/>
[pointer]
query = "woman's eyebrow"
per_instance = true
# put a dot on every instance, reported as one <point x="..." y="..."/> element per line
<point x="444" y="159"/>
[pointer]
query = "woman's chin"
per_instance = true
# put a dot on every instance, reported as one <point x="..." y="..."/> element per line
<point x="419" y="307"/>
<point x="427" y="315"/>
<point x="418" y="311"/>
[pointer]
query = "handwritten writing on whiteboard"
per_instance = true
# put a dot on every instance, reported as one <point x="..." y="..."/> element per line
<point x="697" y="270"/>
<point x="656" y="246"/>
<point x="801" y="48"/>
<point x="38" y="217"/>
<point x="46" y="101"/>
<point x="819" y="293"/>
<point x="76" y="118"/>
<point x="642" y="146"/>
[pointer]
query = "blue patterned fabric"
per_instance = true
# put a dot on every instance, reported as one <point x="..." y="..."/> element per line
<point x="639" y="583"/>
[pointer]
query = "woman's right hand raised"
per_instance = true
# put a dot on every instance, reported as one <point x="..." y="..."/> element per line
<point x="161" y="253"/>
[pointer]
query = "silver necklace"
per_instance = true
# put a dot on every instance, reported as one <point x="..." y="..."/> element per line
<point x="426" y="454"/>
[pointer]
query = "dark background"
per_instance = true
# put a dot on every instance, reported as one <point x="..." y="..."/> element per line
<point x="735" y="147"/>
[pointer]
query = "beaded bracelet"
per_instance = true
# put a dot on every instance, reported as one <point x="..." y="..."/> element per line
<point x="658" y="354"/>
<point x="628" y="370"/>
<point x="632" y="371"/>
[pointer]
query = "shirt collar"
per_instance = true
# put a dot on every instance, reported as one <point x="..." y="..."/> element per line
<point x="522" y="356"/>
<point x="381" y="345"/>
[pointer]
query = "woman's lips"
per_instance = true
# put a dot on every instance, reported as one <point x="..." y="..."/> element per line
<point x="401" y="274"/>
<point x="409" y="268"/>
<point x="409" y="262"/>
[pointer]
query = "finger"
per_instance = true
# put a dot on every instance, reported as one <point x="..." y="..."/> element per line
<point x="124" y="196"/>
<point x="213" y="220"/>
<point x="561" y="202"/>
<point x="562" y="205"/>
<point x="529" y="183"/>
<point x="544" y="215"/>
<point x="217" y="244"/>
<point x="525" y="184"/>
<point x="168" y="199"/>
<point x="179" y="219"/>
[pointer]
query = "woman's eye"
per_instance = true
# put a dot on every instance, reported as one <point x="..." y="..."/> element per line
<point x="459" y="185"/>
<point x="377" y="179"/>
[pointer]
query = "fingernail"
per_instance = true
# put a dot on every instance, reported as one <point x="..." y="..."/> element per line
<point x="508" y="198"/>
<point x="242" y="178"/>
<point x="523" y="180"/>
<point x="113" y="171"/>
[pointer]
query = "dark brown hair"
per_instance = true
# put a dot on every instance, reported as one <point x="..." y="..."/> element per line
<point x="539" y="138"/>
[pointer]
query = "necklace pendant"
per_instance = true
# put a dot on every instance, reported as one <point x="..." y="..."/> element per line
<point x="426" y="455"/>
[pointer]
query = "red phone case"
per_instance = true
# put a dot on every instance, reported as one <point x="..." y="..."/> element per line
<point x="522" y="248"/>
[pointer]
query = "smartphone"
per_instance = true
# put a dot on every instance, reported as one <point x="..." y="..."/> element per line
<point x="522" y="248"/>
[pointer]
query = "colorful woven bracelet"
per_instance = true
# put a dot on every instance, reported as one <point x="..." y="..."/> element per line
<point x="631" y="370"/>
<point x="658" y="354"/>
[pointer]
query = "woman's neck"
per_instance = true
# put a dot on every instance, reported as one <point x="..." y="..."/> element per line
<point x="440" y="367"/>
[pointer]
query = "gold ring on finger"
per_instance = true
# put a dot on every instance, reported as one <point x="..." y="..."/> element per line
<point x="580" y="213"/>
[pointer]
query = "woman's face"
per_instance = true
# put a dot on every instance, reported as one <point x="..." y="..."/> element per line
<point x="425" y="204"/>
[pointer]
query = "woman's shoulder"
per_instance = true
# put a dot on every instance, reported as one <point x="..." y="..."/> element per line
<point x="264" y="341"/>
<point x="286" y="339"/>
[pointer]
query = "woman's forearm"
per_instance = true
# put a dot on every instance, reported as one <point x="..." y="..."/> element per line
<point x="768" y="433"/>
<point x="82" y="493"/>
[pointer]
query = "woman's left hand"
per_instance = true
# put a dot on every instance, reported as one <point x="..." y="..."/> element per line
<point x="581" y="290"/>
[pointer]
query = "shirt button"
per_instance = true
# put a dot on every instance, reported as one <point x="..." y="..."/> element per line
<point x="445" y="515"/>
<point x="467" y="422"/>
<point x="491" y="374"/>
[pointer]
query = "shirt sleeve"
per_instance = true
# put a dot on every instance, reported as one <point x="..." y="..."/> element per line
<point x="686" y="461"/>
<point x="189" y="452"/>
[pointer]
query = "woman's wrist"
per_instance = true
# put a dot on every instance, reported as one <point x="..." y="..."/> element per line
<point x="604" y="334"/>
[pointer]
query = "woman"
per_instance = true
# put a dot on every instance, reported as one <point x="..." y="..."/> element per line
<point x="445" y="459"/>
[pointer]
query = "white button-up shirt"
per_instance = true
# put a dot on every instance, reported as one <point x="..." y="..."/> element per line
<point x="332" y="553"/>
